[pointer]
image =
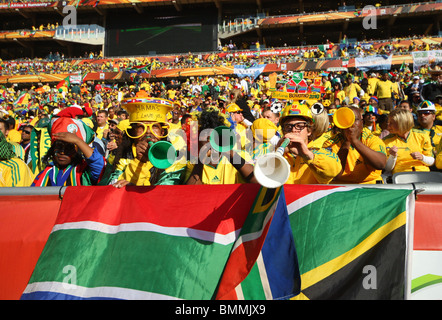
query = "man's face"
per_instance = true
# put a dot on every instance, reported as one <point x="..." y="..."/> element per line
<point x="101" y="119"/>
<point x="176" y="113"/>
<point x="369" y="118"/>
<point x="26" y="134"/>
<point x="271" y="116"/>
<point x="426" y="118"/>
<point x="405" y="106"/>
<point x="297" y="125"/>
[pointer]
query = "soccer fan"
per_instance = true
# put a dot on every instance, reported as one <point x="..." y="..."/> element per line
<point x="426" y="116"/>
<point x="384" y="92"/>
<point x="309" y="162"/>
<point x="229" y="167"/>
<point x="409" y="149"/>
<point x="362" y="154"/>
<point x="148" y="125"/>
<point x="13" y="171"/>
<point x="70" y="161"/>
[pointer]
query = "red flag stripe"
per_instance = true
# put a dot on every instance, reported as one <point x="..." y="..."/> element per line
<point x="225" y="203"/>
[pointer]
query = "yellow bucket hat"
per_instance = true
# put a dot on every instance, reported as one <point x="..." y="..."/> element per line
<point x="233" y="107"/>
<point x="147" y="109"/>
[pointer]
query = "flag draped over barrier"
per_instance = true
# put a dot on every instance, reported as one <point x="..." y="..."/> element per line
<point x="351" y="242"/>
<point x="150" y="243"/>
<point x="239" y="243"/>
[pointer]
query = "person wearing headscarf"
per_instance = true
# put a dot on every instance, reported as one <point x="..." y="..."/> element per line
<point x="70" y="161"/>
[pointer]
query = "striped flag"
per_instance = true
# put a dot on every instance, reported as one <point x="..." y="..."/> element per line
<point x="266" y="247"/>
<point x="109" y="243"/>
<point x="350" y="242"/>
<point x="20" y="99"/>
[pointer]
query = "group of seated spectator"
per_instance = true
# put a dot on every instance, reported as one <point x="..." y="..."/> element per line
<point x="100" y="134"/>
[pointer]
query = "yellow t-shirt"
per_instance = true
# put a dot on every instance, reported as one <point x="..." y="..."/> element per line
<point x="435" y="134"/>
<point x="372" y="85"/>
<point x="15" y="173"/>
<point x="384" y="89"/>
<point x="417" y="141"/>
<point x="223" y="173"/>
<point x="356" y="169"/>
<point x="352" y="91"/>
<point x="100" y="131"/>
<point x="321" y="170"/>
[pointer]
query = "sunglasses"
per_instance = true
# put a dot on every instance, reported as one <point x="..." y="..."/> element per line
<point x="140" y="129"/>
<point x="27" y="132"/>
<point x="298" y="126"/>
<point x="66" y="149"/>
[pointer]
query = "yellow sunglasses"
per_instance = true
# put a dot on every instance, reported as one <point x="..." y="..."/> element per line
<point x="154" y="128"/>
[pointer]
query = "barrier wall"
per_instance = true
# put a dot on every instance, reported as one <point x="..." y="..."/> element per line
<point x="28" y="215"/>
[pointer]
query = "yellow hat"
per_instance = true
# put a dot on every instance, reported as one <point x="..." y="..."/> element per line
<point x="297" y="110"/>
<point x="263" y="129"/>
<point x="147" y="109"/>
<point x="233" y="107"/>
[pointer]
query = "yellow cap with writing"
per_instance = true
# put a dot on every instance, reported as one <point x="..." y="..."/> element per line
<point x="147" y="109"/>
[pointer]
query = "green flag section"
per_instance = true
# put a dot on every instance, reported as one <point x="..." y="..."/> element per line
<point x="350" y="242"/>
<point x="140" y="243"/>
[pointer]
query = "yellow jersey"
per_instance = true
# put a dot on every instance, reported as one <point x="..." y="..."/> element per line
<point x="352" y="91"/>
<point x="321" y="170"/>
<point x="438" y="155"/>
<point x="417" y="141"/>
<point x="100" y="131"/>
<point x="356" y="169"/>
<point x="15" y="173"/>
<point x="384" y="89"/>
<point x="435" y="134"/>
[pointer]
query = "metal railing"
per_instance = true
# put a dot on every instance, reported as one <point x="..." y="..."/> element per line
<point x="80" y="32"/>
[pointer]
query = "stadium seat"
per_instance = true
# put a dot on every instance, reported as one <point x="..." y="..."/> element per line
<point x="417" y="177"/>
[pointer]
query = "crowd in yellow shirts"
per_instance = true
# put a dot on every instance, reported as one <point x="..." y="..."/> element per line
<point x="396" y="128"/>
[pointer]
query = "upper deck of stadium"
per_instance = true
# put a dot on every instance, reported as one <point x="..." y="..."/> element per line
<point x="146" y="27"/>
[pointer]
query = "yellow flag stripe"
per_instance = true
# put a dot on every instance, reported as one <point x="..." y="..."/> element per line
<point x="323" y="271"/>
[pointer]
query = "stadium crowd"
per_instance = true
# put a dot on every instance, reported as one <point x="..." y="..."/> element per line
<point x="97" y="133"/>
<point x="56" y="62"/>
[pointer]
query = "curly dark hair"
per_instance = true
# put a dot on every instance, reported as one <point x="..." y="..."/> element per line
<point x="210" y="119"/>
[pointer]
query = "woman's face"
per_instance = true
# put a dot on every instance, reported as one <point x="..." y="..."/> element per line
<point x="64" y="152"/>
<point x="392" y="126"/>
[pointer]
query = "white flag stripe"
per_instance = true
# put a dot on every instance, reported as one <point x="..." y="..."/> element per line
<point x="150" y="227"/>
<point x="97" y="292"/>
<point x="314" y="196"/>
<point x="255" y="235"/>
<point x="263" y="276"/>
